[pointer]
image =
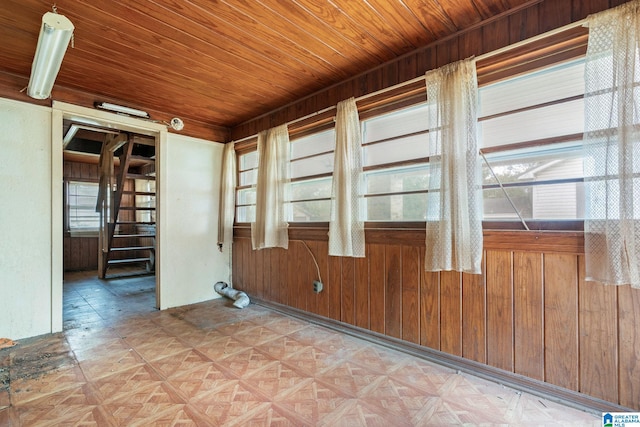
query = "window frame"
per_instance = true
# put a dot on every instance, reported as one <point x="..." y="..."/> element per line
<point x="78" y="232"/>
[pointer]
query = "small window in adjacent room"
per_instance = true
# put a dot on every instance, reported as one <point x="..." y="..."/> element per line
<point x="81" y="198"/>
<point x="145" y="199"/>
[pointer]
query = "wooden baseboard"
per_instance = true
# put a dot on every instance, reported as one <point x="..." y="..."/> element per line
<point x="518" y="382"/>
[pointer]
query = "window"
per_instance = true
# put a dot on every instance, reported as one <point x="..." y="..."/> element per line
<point x="531" y="128"/>
<point x="395" y="164"/>
<point x="311" y="176"/>
<point x="146" y="199"/>
<point x="530" y="132"/>
<point x="246" y="193"/>
<point x="81" y="207"/>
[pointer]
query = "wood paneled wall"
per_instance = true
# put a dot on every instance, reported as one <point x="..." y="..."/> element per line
<point x="530" y="313"/>
<point x="485" y="37"/>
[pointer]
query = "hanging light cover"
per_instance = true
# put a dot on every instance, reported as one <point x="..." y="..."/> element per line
<point x="55" y="33"/>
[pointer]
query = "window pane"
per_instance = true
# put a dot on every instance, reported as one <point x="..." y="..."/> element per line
<point x="311" y="189"/>
<point x="145" y="200"/>
<point x="246" y="196"/>
<point x="397" y="150"/>
<point x="81" y="206"/>
<point x="397" y="180"/>
<point x="246" y="213"/>
<point x="403" y="122"/>
<point x="551" y="202"/>
<point x="312" y="166"/>
<point x="313" y="144"/>
<point x="557" y="161"/>
<point x="551" y="84"/>
<point x="248" y="161"/>
<point x="311" y="211"/>
<point x="552" y="121"/>
<point x="249" y="177"/>
<point x="497" y="206"/>
<point x="400" y="207"/>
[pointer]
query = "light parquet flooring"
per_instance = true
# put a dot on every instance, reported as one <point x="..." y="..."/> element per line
<point x="120" y="362"/>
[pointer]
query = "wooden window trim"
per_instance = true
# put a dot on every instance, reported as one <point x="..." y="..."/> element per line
<point x="550" y="237"/>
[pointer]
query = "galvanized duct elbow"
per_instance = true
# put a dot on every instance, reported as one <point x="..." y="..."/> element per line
<point x="241" y="299"/>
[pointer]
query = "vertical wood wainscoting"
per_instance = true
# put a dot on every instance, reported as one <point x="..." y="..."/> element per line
<point x="531" y="313"/>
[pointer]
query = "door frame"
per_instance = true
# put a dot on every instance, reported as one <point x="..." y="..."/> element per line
<point x="60" y="112"/>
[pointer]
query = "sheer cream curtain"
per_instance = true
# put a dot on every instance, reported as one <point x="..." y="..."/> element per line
<point x="227" y="195"/>
<point x="612" y="146"/>
<point x="454" y="200"/>
<point x="346" y="228"/>
<point x="269" y="229"/>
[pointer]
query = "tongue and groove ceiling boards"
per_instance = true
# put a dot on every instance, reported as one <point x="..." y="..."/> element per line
<point x="221" y="63"/>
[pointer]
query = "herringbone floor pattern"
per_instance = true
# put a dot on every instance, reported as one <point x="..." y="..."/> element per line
<point x="120" y="362"/>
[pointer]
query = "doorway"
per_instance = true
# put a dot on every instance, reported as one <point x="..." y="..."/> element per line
<point x="132" y="262"/>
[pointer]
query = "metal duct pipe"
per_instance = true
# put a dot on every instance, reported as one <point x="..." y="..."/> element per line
<point x="241" y="299"/>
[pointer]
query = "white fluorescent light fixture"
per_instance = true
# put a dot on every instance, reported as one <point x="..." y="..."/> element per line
<point x="55" y="33"/>
<point x="121" y="109"/>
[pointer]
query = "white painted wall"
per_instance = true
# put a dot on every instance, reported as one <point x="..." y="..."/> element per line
<point x="25" y="220"/>
<point x="189" y="191"/>
<point x="31" y="217"/>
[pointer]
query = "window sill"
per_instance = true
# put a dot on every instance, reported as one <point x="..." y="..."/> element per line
<point x="508" y="225"/>
<point x="413" y="234"/>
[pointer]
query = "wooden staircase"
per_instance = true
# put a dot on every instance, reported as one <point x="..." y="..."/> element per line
<point x="126" y="202"/>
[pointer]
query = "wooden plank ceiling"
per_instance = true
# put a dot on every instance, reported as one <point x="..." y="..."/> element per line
<point x="227" y="61"/>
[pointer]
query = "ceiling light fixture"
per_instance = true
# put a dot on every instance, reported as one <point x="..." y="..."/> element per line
<point x="121" y="109"/>
<point x="55" y="33"/>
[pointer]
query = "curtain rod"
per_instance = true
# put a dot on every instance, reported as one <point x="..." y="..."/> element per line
<point x="484" y="56"/>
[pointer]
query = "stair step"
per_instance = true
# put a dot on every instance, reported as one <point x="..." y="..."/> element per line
<point x="142" y="159"/>
<point x="140" y="176"/>
<point x="121" y="236"/>
<point x="136" y="208"/>
<point x="135" y="222"/>
<point x="140" y="193"/>
<point x="133" y="248"/>
<point x="127" y="261"/>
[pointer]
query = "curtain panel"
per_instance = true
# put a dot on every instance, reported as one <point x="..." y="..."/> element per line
<point x="270" y="228"/>
<point x="454" y="199"/>
<point x="346" y="228"/>
<point x="612" y="146"/>
<point x="227" y="195"/>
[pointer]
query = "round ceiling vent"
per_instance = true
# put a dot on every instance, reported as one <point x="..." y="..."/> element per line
<point x="177" y="124"/>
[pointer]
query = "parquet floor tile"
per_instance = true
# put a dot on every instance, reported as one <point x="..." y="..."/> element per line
<point x="120" y="362"/>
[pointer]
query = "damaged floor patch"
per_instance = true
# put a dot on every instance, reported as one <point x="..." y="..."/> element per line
<point x="6" y="343"/>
